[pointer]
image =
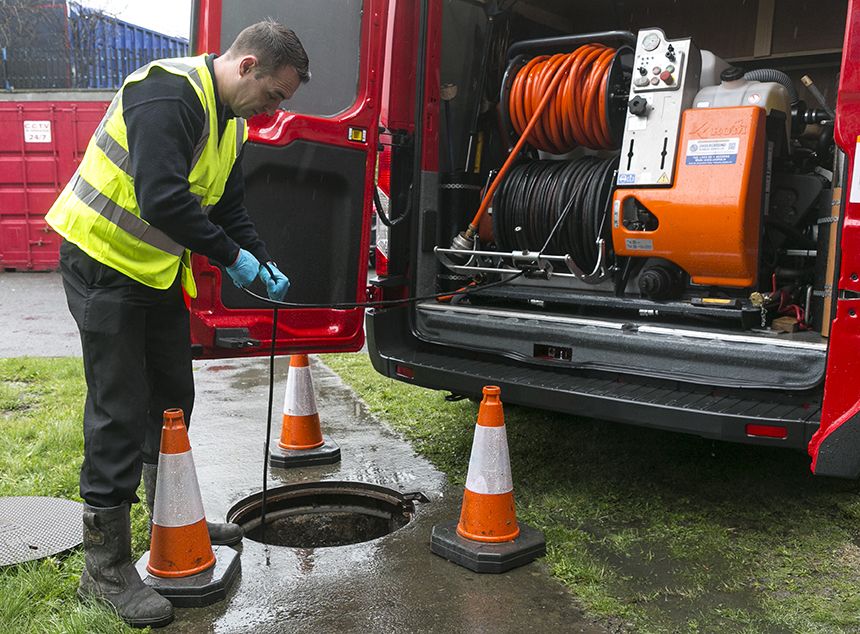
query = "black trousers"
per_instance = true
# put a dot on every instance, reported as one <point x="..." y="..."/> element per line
<point x="137" y="363"/>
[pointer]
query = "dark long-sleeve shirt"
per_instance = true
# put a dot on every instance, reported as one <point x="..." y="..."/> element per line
<point x="164" y="119"/>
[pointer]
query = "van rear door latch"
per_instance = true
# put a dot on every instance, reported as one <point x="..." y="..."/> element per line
<point x="234" y="338"/>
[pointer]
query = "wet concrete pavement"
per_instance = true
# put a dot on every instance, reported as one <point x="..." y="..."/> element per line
<point x="34" y="318"/>
<point x="391" y="584"/>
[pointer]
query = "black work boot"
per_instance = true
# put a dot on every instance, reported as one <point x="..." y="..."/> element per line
<point x="110" y="576"/>
<point x="225" y="534"/>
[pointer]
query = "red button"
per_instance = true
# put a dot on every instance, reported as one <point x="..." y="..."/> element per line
<point x="666" y="76"/>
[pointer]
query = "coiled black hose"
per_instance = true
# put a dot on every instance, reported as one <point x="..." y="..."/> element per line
<point x="538" y="195"/>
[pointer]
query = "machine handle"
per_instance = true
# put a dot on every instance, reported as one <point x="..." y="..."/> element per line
<point x="558" y="44"/>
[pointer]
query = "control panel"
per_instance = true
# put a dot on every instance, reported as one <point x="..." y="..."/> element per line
<point x="665" y="80"/>
<point x="657" y="64"/>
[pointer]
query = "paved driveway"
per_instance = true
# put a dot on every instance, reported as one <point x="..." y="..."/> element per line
<point x="34" y="318"/>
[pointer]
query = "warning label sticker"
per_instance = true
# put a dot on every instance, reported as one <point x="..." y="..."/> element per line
<point x="713" y="151"/>
<point x="37" y="132"/>
<point x="634" y="244"/>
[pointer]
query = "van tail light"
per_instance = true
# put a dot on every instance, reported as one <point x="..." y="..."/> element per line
<point x="383" y="173"/>
<point x="766" y="431"/>
<point x="404" y="372"/>
<point x="383" y="188"/>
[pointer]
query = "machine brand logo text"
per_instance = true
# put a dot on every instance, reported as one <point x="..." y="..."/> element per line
<point x="738" y="128"/>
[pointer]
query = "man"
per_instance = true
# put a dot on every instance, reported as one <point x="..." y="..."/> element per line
<point x="161" y="178"/>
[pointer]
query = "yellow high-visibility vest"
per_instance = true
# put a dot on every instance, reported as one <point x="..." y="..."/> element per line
<point x="98" y="209"/>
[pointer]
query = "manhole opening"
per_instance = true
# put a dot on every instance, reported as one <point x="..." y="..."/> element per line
<point x="319" y="514"/>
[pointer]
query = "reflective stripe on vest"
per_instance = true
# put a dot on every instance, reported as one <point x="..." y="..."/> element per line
<point x="98" y="209"/>
<point x="123" y="218"/>
<point x="118" y="155"/>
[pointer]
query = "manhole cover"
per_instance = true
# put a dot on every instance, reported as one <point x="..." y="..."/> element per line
<point x="317" y="514"/>
<point x="37" y="527"/>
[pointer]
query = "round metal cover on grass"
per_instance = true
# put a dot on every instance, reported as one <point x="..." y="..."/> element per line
<point x="318" y="514"/>
<point x="36" y="527"/>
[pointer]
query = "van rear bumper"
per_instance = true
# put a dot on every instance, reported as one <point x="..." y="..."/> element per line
<point x="716" y="358"/>
<point x="710" y="412"/>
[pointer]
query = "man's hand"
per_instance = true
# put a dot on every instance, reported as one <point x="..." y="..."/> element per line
<point x="277" y="284"/>
<point x="244" y="270"/>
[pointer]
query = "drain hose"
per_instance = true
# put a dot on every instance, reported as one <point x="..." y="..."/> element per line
<point x="771" y="74"/>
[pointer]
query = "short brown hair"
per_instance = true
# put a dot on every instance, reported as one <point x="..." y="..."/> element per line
<point x="274" y="46"/>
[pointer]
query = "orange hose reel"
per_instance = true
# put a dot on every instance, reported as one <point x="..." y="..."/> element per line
<point x="557" y="103"/>
<point x="576" y="111"/>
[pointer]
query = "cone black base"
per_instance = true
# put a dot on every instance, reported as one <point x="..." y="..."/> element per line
<point x="327" y="453"/>
<point x="204" y="588"/>
<point x="483" y="557"/>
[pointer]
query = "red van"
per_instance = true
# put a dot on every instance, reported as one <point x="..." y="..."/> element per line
<point x="644" y="212"/>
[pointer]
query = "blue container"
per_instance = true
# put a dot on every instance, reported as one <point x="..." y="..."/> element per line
<point x="105" y="50"/>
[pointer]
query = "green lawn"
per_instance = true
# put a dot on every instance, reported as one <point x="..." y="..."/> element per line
<point x="664" y="532"/>
<point x="41" y="446"/>
<point x="653" y="532"/>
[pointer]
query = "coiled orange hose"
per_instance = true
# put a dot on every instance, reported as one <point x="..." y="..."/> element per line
<point x="576" y="114"/>
<point x="556" y="103"/>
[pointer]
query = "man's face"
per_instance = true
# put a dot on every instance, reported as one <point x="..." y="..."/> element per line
<point x="256" y="93"/>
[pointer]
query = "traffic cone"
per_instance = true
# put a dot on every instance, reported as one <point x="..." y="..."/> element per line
<point x="302" y="442"/>
<point x="488" y="538"/>
<point x="181" y="563"/>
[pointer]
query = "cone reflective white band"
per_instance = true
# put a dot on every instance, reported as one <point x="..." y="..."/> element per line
<point x="299" y="399"/>
<point x="490" y="464"/>
<point x="177" y="494"/>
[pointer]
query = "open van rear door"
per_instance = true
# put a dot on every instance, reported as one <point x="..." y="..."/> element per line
<point x="308" y="172"/>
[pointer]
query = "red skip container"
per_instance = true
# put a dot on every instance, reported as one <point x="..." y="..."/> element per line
<point x="43" y="136"/>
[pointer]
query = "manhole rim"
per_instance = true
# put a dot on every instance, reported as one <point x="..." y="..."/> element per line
<point x="246" y="512"/>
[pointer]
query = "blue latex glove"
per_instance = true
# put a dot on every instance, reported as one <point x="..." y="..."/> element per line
<point x="244" y="270"/>
<point x="277" y="284"/>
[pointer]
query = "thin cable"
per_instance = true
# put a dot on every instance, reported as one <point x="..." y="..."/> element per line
<point x="382" y="303"/>
<point x="268" y="432"/>
<point x="277" y="305"/>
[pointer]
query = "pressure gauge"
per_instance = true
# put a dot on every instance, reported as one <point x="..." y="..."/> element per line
<point x="651" y="41"/>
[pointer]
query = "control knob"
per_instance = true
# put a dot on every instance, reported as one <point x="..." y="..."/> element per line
<point x="638" y="106"/>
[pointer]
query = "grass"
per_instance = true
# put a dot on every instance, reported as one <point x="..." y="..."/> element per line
<point x="653" y="531"/>
<point x="41" y="447"/>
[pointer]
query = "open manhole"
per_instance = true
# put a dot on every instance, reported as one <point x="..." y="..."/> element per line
<point x="317" y="514"/>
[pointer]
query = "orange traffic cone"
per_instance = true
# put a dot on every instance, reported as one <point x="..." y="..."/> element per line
<point x="302" y="442"/>
<point x="488" y="537"/>
<point x="181" y="563"/>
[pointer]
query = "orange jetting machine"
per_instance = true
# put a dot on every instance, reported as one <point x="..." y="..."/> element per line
<point x="708" y="220"/>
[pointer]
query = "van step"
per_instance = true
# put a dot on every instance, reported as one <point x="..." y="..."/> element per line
<point x="730" y="359"/>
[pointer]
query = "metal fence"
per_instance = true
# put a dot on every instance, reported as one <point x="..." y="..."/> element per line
<point x="25" y="68"/>
<point x="88" y="50"/>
